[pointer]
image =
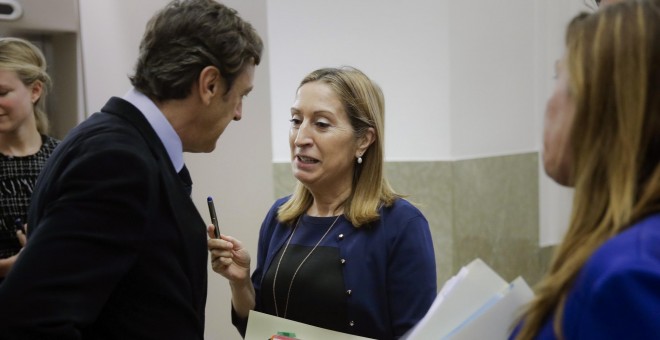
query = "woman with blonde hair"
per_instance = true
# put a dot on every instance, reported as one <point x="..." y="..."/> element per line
<point x="24" y="142"/>
<point x="602" y="137"/>
<point x="344" y="251"/>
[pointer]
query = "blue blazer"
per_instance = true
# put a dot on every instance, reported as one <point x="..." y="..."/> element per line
<point x="390" y="268"/>
<point x="616" y="295"/>
<point x="116" y="247"/>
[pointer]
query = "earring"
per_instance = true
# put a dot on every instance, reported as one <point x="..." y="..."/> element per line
<point x="359" y="160"/>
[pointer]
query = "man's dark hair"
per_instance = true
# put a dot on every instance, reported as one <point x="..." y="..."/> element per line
<point x="185" y="37"/>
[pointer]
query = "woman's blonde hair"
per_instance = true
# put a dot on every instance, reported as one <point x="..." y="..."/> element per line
<point x="29" y="63"/>
<point x="613" y="60"/>
<point x="364" y="104"/>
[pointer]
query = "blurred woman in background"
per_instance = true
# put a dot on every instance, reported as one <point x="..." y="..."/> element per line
<point x="24" y="142"/>
<point x="602" y="137"/>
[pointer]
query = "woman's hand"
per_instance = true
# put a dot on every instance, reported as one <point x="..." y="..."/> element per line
<point x="6" y="264"/>
<point x="231" y="260"/>
<point x="228" y="257"/>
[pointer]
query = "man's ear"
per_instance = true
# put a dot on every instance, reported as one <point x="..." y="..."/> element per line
<point x="210" y="84"/>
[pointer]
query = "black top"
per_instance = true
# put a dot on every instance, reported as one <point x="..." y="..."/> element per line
<point x="18" y="176"/>
<point x="317" y="296"/>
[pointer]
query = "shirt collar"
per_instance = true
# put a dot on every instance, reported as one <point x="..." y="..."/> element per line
<point x="160" y="124"/>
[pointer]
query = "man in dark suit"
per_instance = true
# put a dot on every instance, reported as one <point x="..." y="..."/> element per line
<point x="116" y="248"/>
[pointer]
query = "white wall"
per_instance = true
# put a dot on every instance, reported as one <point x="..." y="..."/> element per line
<point x="551" y="18"/>
<point x="111" y="31"/>
<point x="456" y="74"/>
<point x="492" y="68"/>
<point x="238" y="174"/>
<point x="401" y="45"/>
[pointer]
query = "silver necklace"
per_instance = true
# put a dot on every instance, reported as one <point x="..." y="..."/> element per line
<point x="288" y="294"/>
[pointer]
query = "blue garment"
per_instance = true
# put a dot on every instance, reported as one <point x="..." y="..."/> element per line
<point x="617" y="293"/>
<point x="389" y="269"/>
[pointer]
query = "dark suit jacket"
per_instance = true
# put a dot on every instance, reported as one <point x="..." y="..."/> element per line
<point x="116" y="248"/>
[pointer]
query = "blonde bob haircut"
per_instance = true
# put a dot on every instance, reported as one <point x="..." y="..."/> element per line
<point x="613" y="59"/>
<point x="364" y="104"/>
<point x="27" y="60"/>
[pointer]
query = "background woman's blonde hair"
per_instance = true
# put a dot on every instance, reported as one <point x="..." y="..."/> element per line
<point x="365" y="106"/>
<point x="29" y="63"/>
<point x="613" y="60"/>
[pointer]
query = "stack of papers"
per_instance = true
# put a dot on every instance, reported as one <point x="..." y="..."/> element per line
<point x="474" y="304"/>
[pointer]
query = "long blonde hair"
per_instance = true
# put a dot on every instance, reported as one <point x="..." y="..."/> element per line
<point x="29" y="63"/>
<point x="613" y="60"/>
<point x="365" y="106"/>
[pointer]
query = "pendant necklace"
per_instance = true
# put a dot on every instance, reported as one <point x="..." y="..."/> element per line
<point x="288" y="294"/>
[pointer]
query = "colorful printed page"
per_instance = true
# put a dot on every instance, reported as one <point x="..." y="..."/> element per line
<point x="263" y="326"/>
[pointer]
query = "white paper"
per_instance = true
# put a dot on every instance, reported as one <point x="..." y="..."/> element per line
<point x="262" y="326"/>
<point x="496" y="321"/>
<point x="475" y="304"/>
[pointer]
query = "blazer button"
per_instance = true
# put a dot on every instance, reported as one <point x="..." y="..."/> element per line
<point x="349" y="292"/>
<point x="342" y="261"/>
<point x="352" y="323"/>
<point x="340" y="237"/>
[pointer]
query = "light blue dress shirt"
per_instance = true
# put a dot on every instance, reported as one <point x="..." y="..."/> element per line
<point x="160" y="124"/>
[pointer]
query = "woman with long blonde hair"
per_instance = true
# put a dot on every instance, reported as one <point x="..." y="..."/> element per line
<point x="602" y="137"/>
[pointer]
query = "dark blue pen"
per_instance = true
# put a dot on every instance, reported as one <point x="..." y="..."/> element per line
<point x="214" y="218"/>
<point x="19" y="225"/>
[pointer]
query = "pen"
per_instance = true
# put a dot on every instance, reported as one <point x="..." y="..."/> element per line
<point x="19" y="225"/>
<point x="214" y="217"/>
